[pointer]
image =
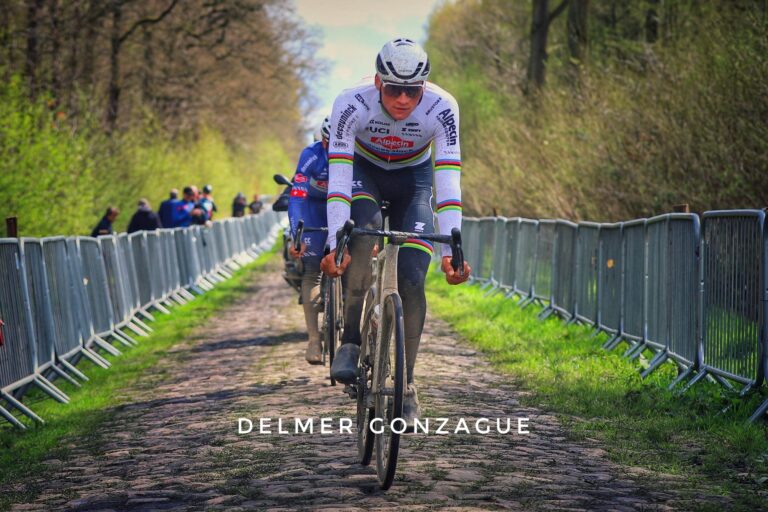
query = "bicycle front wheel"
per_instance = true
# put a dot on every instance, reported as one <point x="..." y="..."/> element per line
<point x="365" y="412"/>
<point x="390" y="371"/>
<point x="335" y="319"/>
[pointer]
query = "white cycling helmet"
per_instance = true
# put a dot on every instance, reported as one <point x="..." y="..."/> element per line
<point x="401" y="61"/>
<point x="325" y="128"/>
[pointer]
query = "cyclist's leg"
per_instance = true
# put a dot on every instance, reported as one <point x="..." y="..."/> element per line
<point x="357" y="278"/>
<point x="310" y="281"/>
<point x="413" y="212"/>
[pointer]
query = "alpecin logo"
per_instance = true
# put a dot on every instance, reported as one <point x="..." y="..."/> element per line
<point x="448" y="121"/>
<point x="343" y="118"/>
<point x="392" y="142"/>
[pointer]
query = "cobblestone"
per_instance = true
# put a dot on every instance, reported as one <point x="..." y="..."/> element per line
<point x="176" y="446"/>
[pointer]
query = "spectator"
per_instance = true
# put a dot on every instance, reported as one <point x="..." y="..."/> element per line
<point x="104" y="227"/>
<point x="207" y="202"/>
<point x="144" y="219"/>
<point x="188" y="211"/>
<point x="238" y="205"/>
<point x="167" y="208"/>
<point x="256" y="205"/>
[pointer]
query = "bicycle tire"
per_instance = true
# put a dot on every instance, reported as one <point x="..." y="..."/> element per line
<point x="390" y="366"/>
<point x="365" y="437"/>
<point x="335" y="319"/>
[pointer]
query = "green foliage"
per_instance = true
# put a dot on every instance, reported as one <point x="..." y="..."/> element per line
<point x="600" y="395"/>
<point x="644" y="123"/>
<point x="59" y="175"/>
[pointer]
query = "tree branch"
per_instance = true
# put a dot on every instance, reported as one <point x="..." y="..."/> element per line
<point x="558" y="11"/>
<point x="149" y="21"/>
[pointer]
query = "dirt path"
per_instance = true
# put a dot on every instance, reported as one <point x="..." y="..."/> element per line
<point x="176" y="447"/>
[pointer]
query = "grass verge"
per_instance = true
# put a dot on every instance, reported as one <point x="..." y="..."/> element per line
<point x="22" y="454"/>
<point x="600" y="396"/>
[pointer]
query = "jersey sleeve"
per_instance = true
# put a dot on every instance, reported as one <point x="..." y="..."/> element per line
<point x="447" y="170"/>
<point x="344" y="121"/>
<point x="297" y="204"/>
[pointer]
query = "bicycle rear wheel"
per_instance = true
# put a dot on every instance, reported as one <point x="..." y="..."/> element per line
<point x="390" y="370"/>
<point x="365" y="437"/>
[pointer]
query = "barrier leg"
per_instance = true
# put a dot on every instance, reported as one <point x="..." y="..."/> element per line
<point x="634" y="351"/>
<point x="125" y="339"/>
<point x="723" y="382"/>
<point x="760" y="412"/>
<point x="546" y="312"/>
<point x="657" y="361"/>
<point x="136" y="320"/>
<point x="49" y="389"/>
<point x="136" y="329"/>
<point x="596" y="332"/>
<point x="703" y="373"/>
<point x="525" y="302"/>
<point x="160" y="308"/>
<point x="146" y="314"/>
<point x="106" y="346"/>
<point x="95" y="358"/>
<point x="21" y="407"/>
<point x="185" y="294"/>
<point x="493" y="289"/>
<point x="66" y="364"/>
<point x="680" y="378"/>
<point x="612" y="342"/>
<point x="64" y="375"/>
<point x="11" y="419"/>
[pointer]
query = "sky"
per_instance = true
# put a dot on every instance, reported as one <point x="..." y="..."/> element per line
<point x="353" y="32"/>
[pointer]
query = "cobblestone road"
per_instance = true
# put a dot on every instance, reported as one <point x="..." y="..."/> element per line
<point x="176" y="447"/>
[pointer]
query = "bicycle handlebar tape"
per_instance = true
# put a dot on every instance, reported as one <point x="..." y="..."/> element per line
<point x="457" y="258"/>
<point x="299" y="235"/>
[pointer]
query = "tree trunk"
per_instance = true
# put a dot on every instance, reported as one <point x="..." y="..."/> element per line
<point x="74" y="39"/>
<point x="538" y="57"/>
<point x="33" y="57"/>
<point x="56" y="67"/>
<point x="577" y="31"/>
<point x="652" y="22"/>
<point x="149" y="64"/>
<point x="113" y="94"/>
<point x="89" y="45"/>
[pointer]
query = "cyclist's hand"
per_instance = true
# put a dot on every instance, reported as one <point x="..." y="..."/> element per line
<point x="453" y="276"/>
<point x="328" y="263"/>
<point x="297" y="254"/>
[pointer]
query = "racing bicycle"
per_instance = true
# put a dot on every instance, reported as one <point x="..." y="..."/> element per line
<point x="381" y="374"/>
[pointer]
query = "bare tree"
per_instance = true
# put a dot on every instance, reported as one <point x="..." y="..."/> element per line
<point x="541" y="20"/>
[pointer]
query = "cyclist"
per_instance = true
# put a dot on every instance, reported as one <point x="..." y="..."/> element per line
<point x="380" y="149"/>
<point x="307" y="202"/>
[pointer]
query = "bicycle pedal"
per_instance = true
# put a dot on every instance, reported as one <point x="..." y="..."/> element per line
<point x="351" y="390"/>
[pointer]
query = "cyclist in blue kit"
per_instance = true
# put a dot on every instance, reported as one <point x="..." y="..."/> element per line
<point x="382" y="133"/>
<point x="308" y="203"/>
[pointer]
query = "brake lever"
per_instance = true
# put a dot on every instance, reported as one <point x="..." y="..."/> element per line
<point x="342" y="237"/>
<point x="299" y="235"/>
<point x="457" y="253"/>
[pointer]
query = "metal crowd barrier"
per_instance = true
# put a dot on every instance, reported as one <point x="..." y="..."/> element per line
<point x="587" y="273"/>
<point x="734" y="291"/>
<point x="64" y="299"/>
<point x="543" y="263"/>
<point x="696" y="295"/>
<point x="564" y="269"/>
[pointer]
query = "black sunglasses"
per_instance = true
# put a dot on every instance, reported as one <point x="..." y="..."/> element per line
<point x="395" y="90"/>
